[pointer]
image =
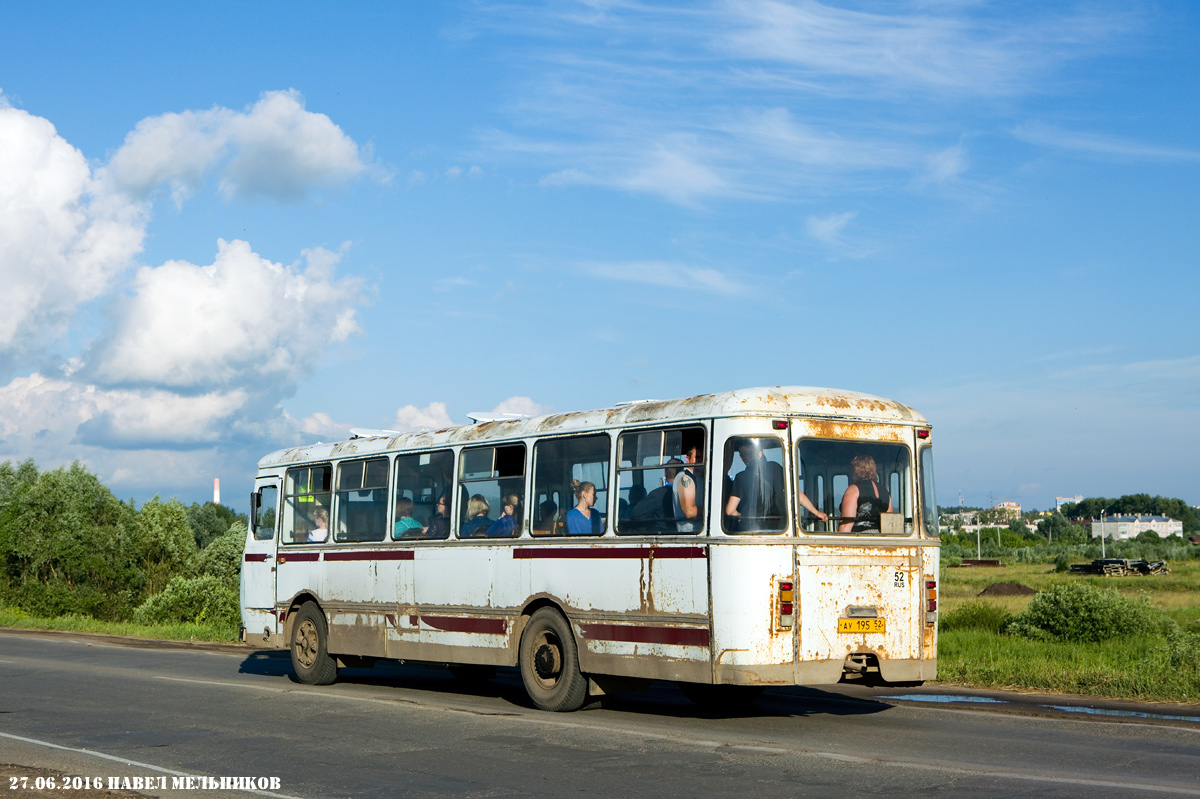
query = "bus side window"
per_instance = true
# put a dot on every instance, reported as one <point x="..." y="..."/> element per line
<point x="560" y="463"/>
<point x="424" y="481"/>
<point x="755" y="499"/>
<point x="307" y="500"/>
<point x="491" y="479"/>
<point x="264" y="517"/>
<point x="361" y="500"/>
<point x="649" y="464"/>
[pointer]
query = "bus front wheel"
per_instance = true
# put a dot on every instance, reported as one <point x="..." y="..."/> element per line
<point x="310" y="647"/>
<point x="550" y="663"/>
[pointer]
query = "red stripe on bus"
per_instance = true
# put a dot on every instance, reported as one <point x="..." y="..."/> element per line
<point x="460" y="624"/>
<point x="392" y="554"/>
<point x="608" y="552"/>
<point x="303" y="557"/>
<point x="641" y="634"/>
<point x="254" y="557"/>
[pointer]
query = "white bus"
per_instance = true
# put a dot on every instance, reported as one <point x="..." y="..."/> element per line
<point x="766" y="536"/>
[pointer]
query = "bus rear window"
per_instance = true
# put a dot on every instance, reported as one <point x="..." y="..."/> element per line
<point x="864" y="486"/>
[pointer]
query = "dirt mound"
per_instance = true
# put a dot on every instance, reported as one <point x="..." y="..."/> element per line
<point x="1007" y="589"/>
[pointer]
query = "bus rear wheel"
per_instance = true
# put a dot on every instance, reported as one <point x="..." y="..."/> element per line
<point x="550" y="663"/>
<point x="310" y="647"/>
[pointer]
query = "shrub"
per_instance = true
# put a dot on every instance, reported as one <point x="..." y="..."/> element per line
<point x="1062" y="563"/>
<point x="203" y="600"/>
<point x="1085" y="613"/>
<point x="222" y="558"/>
<point x="976" y="615"/>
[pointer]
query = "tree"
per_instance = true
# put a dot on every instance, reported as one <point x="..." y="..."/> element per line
<point x="210" y="521"/>
<point x="164" y="541"/>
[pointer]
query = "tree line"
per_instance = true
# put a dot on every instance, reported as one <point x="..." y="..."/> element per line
<point x="68" y="545"/>
<point x="1132" y="505"/>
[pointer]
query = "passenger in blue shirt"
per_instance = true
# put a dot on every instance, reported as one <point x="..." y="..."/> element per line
<point x="582" y="519"/>
<point x="478" y="522"/>
<point x="506" y="525"/>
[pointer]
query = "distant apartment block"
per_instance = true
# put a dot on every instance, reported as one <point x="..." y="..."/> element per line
<point x="1116" y="528"/>
<point x="1012" y="509"/>
<point x="1060" y="501"/>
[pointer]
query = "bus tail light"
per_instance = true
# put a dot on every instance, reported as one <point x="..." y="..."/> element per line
<point x="930" y="600"/>
<point x="787" y="604"/>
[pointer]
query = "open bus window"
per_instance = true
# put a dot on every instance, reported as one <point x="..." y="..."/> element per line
<point x="264" y="516"/>
<point x="307" y="495"/>
<point x="423" y="491"/>
<point x="755" y="493"/>
<point x="864" y="486"/>
<point x="361" y="506"/>
<point x="558" y="463"/>
<point x="649" y="464"/>
<point x="491" y="480"/>
<point x="929" y="511"/>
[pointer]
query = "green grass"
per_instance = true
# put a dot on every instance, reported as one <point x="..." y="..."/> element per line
<point x="223" y="634"/>
<point x="1133" y="667"/>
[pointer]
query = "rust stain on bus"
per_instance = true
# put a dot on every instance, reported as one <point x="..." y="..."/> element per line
<point x="821" y="428"/>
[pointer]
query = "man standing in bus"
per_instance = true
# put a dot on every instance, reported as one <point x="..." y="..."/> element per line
<point x="687" y="495"/>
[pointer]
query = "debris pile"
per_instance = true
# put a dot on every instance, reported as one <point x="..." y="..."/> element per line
<point x="1120" y="567"/>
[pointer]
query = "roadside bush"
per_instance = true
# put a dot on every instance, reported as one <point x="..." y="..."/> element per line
<point x="1084" y="613"/>
<point x="222" y="558"/>
<point x="976" y="615"/>
<point x="203" y="600"/>
<point x="1062" y="564"/>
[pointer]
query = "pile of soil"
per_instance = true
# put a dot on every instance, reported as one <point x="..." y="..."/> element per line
<point x="1007" y="589"/>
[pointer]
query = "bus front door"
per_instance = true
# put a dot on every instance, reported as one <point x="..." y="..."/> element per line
<point x="258" y="564"/>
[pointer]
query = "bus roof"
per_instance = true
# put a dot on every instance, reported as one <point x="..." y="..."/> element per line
<point x="805" y="401"/>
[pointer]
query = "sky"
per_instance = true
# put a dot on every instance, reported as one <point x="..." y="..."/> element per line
<point x="228" y="228"/>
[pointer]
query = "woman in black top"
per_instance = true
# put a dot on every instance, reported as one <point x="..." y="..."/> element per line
<point x="865" y="499"/>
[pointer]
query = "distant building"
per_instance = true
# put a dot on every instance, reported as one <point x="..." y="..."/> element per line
<point x="1118" y="528"/>
<point x="1012" y="509"/>
<point x="1060" y="501"/>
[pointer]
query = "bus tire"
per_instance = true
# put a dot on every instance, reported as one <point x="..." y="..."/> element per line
<point x="310" y="647"/>
<point x="550" y="663"/>
<point x="721" y="697"/>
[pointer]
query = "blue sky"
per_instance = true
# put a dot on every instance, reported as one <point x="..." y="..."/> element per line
<point x="230" y="228"/>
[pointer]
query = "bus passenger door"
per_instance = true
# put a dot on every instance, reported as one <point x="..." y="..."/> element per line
<point x="258" y="563"/>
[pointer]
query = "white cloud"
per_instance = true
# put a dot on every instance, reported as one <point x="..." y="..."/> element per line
<point x="61" y="413"/>
<point x="453" y="173"/>
<point x="323" y="426"/>
<point x="828" y="229"/>
<point x="275" y="149"/>
<point x="1099" y="144"/>
<point x="524" y="406"/>
<point x="667" y="274"/>
<point x="241" y="320"/>
<point x="433" y="416"/>
<point x="62" y="239"/>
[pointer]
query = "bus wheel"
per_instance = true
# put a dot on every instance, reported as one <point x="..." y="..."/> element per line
<point x="310" y="647"/>
<point x="550" y="663"/>
<point x="721" y="697"/>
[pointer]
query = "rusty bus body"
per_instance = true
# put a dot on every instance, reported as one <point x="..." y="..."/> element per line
<point x="799" y="601"/>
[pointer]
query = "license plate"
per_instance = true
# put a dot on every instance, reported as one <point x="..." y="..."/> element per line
<point x="862" y="626"/>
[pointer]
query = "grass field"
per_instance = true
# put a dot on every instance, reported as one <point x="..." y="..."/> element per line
<point x="1147" y="666"/>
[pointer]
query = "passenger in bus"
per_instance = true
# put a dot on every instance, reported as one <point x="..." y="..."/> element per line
<point x="547" y="513"/>
<point x="320" y="533"/>
<point x="439" y="525"/>
<point x="478" y="520"/>
<point x="687" y="495"/>
<point x="406" y="526"/>
<point x="582" y="519"/>
<point x="865" y="499"/>
<point x="756" y="497"/>
<point x="506" y="525"/>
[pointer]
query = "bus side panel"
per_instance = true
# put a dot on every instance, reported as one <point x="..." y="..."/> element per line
<point x="351" y="598"/>
<point x="749" y="644"/>
<point x="396" y="585"/>
<point x="867" y="583"/>
<point x="930" y="561"/>
<point x="459" y="615"/>
<point x="638" y="609"/>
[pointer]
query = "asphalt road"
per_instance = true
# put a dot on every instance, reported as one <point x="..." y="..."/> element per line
<point x="89" y="706"/>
